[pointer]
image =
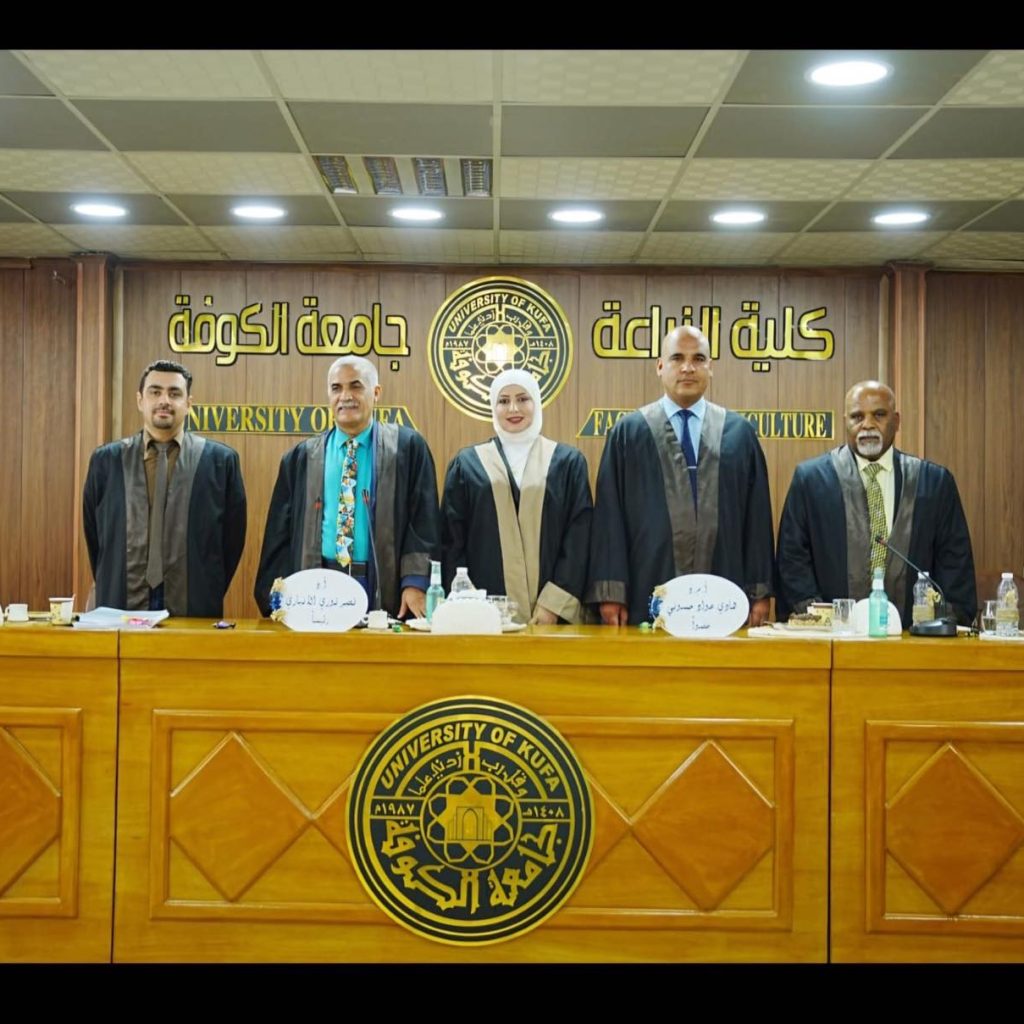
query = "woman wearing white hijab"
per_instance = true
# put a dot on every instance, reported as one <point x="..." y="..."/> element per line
<point x="516" y="509"/>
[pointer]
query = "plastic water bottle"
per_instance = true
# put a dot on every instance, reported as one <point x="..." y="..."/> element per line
<point x="1007" y="607"/>
<point x="924" y="598"/>
<point x="435" y="592"/>
<point x="878" y="606"/>
<point x="462" y="585"/>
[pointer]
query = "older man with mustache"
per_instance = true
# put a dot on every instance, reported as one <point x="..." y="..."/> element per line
<point x="840" y="501"/>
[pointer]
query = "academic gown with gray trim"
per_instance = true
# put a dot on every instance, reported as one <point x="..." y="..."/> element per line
<point x="204" y="525"/>
<point x="406" y="528"/>
<point x="824" y="536"/>
<point x="645" y="530"/>
<point x="530" y="543"/>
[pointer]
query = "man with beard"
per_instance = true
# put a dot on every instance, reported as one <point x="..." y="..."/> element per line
<point x="840" y="501"/>
<point x="164" y="509"/>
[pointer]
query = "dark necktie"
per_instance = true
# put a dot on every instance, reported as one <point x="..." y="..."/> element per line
<point x="689" y="454"/>
<point x="155" y="561"/>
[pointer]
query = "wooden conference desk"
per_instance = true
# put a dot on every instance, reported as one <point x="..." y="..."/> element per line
<point x="236" y="748"/>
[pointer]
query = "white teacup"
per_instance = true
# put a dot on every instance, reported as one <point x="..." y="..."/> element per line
<point x="60" y="610"/>
<point x="17" y="613"/>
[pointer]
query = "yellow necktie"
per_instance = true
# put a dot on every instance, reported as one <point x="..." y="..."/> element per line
<point x="876" y="514"/>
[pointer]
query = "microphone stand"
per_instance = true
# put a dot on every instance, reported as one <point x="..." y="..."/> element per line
<point x="946" y="626"/>
<point x="373" y="550"/>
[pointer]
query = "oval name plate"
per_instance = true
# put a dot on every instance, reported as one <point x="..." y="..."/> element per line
<point x="322" y="601"/>
<point x="700" y="605"/>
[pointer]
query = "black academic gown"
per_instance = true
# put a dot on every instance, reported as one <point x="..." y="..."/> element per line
<point x="529" y="543"/>
<point x="204" y="526"/>
<point x="406" y="527"/>
<point x="645" y="530"/>
<point x="824" y="542"/>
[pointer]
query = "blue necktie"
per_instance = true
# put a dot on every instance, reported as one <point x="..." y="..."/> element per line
<point x="689" y="454"/>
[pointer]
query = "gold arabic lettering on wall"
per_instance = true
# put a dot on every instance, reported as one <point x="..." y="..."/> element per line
<point x="751" y="336"/>
<point x="312" y="334"/>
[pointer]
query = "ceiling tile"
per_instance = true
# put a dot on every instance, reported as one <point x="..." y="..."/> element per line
<point x="944" y="216"/>
<point x="599" y="131"/>
<point x="787" y="132"/>
<point x="152" y="74"/>
<point x="220" y="126"/>
<point x="983" y="245"/>
<point x="373" y="212"/>
<point x="710" y="246"/>
<point x="768" y="179"/>
<point x="433" y="244"/>
<point x="259" y="242"/>
<point x="586" y="177"/>
<point x="124" y="238"/>
<point x="997" y="81"/>
<point x="962" y="133"/>
<point x="695" y="215"/>
<point x="941" y="179"/>
<point x="55" y="207"/>
<point x="619" y="215"/>
<point x="53" y="170"/>
<point x="569" y="246"/>
<point x="12" y="215"/>
<point x="1008" y="217"/>
<point x="16" y="80"/>
<point x="615" y="77"/>
<point x="383" y="76"/>
<point x="32" y="240"/>
<point x="388" y="128"/>
<point x="217" y="209"/>
<point x="919" y="77"/>
<point x="227" y="173"/>
<point x="42" y="124"/>
<point x="854" y="247"/>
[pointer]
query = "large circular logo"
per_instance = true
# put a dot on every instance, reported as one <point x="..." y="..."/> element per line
<point x="469" y="820"/>
<point x="495" y="324"/>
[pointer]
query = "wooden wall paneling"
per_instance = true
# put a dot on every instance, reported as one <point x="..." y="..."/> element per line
<point x="273" y="380"/>
<point x="93" y="377"/>
<point x="956" y="374"/>
<point x="416" y="296"/>
<point x="860" y="348"/>
<point x="48" y="455"/>
<point x="12" y="357"/>
<point x="148" y="304"/>
<point x="213" y="382"/>
<point x="907" y="355"/>
<point x="609" y="383"/>
<point x="809" y="384"/>
<point x="1000" y="546"/>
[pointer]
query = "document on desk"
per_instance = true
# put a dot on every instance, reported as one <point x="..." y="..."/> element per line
<point x="120" y="618"/>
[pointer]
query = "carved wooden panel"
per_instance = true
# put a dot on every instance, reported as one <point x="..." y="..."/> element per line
<point x="945" y="828"/>
<point x="694" y="819"/>
<point x="40" y="803"/>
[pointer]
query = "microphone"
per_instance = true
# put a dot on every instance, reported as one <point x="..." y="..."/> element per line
<point x="945" y="626"/>
<point x="373" y="550"/>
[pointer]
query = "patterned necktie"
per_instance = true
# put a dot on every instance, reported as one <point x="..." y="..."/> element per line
<point x="876" y="514"/>
<point x="155" y="559"/>
<point x="689" y="454"/>
<point x="347" y="505"/>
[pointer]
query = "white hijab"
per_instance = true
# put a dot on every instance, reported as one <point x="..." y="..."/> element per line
<point x="517" y="446"/>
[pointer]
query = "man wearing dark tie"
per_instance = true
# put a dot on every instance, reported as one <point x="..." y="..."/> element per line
<point x="839" y="502"/>
<point x="164" y="510"/>
<point x="360" y="498"/>
<point x="682" y="488"/>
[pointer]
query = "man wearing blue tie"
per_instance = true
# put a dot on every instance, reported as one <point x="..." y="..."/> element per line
<point x="682" y="488"/>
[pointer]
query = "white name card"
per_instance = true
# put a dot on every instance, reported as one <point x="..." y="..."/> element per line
<point x="322" y="601"/>
<point x="701" y="605"/>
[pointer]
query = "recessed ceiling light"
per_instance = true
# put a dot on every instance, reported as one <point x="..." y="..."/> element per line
<point x="849" y="72"/>
<point x="733" y="218"/>
<point x="422" y="214"/>
<point x="576" y="216"/>
<point x="99" y="209"/>
<point x="253" y="211"/>
<point x="896" y="218"/>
